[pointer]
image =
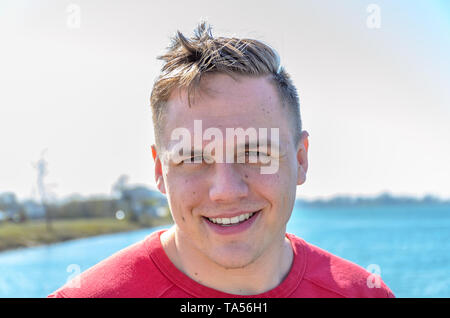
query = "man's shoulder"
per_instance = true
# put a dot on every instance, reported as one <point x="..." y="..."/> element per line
<point x="337" y="275"/>
<point x="129" y="272"/>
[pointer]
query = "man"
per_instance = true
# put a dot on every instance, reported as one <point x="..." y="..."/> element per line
<point x="229" y="238"/>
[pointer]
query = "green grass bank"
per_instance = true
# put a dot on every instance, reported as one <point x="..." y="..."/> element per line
<point x="34" y="233"/>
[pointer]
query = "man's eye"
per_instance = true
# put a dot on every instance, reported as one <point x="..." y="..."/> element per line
<point x="256" y="153"/>
<point x="255" y="156"/>
<point x="197" y="159"/>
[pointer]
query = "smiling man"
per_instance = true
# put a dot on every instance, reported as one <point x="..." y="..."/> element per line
<point x="223" y="110"/>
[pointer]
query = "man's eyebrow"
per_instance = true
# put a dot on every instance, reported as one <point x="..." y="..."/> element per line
<point x="248" y="144"/>
<point x="196" y="151"/>
<point x="252" y="144"/>
<point x="193" y="152"/>
<point x="255" y="144"/>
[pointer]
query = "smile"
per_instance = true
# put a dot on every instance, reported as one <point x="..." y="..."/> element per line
<point x="232" y="221"/>
<point x="234" y="225"/>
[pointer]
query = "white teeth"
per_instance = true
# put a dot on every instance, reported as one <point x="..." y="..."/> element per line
<point x="233" y="220"/>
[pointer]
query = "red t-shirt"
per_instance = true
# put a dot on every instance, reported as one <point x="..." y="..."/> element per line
<point x="144" y="270"/>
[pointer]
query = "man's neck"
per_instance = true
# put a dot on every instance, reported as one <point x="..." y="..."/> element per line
<point x="262" y="275"/>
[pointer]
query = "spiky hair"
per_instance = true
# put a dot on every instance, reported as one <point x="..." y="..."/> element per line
<point x="187" y="60"/>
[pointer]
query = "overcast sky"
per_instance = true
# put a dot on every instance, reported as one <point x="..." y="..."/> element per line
<point x="76" y="77"/>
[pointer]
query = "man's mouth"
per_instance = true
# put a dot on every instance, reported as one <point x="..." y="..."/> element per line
<point x="227" y="222"/>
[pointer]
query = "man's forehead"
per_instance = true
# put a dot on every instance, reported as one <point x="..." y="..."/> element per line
<point x="225" y="114"/>
<point x="257" y="108"/>
<point x="216" y="84"/>
<point x="219" y="88"/>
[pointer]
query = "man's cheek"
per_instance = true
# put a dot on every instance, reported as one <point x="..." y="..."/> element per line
<point x="267" y="181"/>
<point x="184" y="194"/>
<point x="177" y="183"/>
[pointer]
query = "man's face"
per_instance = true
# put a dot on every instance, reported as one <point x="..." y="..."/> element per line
<point x="198" y="191"/>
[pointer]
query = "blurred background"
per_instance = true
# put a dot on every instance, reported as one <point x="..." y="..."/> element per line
<point x="76" y="172"/>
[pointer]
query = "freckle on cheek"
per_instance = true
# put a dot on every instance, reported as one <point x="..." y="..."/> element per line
<point x="183" y="219"/>
<point x="246" y="176"/>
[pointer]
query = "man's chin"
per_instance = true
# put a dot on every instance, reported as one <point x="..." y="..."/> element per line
<point x="233" y="259"/>
<point x="238" y="264"/>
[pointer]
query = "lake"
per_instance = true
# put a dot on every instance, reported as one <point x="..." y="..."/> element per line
<point x="409" y="246"/>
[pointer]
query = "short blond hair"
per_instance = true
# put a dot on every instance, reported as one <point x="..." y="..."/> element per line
<point x="187" y="60"/>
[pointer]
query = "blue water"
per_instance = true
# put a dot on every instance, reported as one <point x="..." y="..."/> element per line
<point x="37" y="271"/>
<point x="410" y="245"/>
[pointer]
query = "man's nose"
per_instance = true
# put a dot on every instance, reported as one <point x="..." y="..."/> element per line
<point x="227" y="183"/>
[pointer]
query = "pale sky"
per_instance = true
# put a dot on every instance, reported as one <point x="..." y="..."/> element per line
<point x="375" y="101"/>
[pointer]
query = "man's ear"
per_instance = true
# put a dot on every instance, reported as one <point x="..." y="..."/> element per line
<point x="302" y="157"/>
<point x="159" y="179"/>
